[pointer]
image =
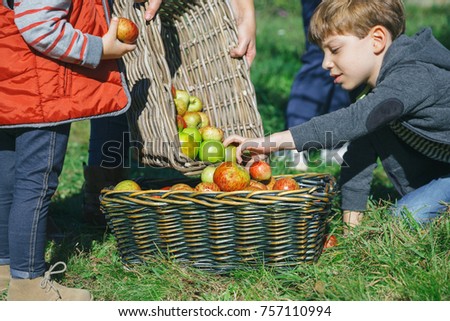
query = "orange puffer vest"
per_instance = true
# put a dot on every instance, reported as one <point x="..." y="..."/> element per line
<point x="38" y="91"/>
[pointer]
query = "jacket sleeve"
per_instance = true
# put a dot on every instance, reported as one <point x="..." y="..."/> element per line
<point x="405" y="90"/>
<point x="43" y="25"/>
<point x="360" y="160"/>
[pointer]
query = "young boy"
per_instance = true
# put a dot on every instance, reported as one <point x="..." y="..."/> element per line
<point x="404" y="120"/>
<point x="57" y="65"/>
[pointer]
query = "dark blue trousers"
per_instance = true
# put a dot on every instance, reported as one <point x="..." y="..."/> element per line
<point x="313" y="92"/>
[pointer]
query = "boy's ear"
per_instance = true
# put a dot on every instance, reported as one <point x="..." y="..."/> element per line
<point x="380" y="38"/>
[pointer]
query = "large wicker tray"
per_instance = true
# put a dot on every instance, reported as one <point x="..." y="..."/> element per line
<point x="187" y="46"/>
<point x="221" y="231"/>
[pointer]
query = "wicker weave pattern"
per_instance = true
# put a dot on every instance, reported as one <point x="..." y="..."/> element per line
<point x="187" y="45"/>
<point x="219" y="231"/>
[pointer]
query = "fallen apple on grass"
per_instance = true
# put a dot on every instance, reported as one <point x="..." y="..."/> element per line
<point x="127" y="31"/>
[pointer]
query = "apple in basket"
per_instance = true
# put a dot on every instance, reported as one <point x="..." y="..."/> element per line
<point x="190" y="140"/>
<point x="207" y="175"/>
<point x="127" y="31"/>
<point x="231" y="176"/>
<point x="285" y="184"/>
<point x="181" y="101"/>
<point x="204" y="119"/>
<point x="260" y="171"/>
<point x="257" y="185"/>
<point x="211" y="151"/>
<point x="195" y="104"/>
<point x="207" y="187"/>
<point x="230" y="153"/>
<point x="127" y="185"/>
<point x="192" y="119"/>
<point x="181" y="187"/>
<point x="181" y="124"/>
<point x="211" y="133"/>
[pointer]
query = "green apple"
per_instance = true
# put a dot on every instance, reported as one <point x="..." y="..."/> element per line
<point x="230" y="153"/>
<point x="190" y="140"/>
<point x="195" y="104"/>
<point x="208" y="174"/>
<point x="211" y="151"/>
<point x="181" y="101"/>
<point x="204" y="119"/>
<point x="193" y="132"/>
<point x="211" y="133"/>
<point x="192" y="119"/>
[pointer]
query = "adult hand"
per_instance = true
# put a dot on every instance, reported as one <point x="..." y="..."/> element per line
<point x="112" y="47"/>
<point x="153" y="6"/>
<point x="244" y="12"/>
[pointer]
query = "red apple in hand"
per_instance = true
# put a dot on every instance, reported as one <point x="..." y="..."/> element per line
<point x="127" y="31"/>
<point x="230" y="176"/>
<point x="285" y="184"/>
<point x="260" y="171"/>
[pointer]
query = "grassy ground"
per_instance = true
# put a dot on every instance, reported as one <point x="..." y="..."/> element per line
<point x="384" y="259"/>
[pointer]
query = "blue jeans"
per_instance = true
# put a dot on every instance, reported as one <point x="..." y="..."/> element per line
<point x="313" y="92"/>
<point x="424" y="203"/>
<point x="109" y="142"/>
<point x="31" y="160"/>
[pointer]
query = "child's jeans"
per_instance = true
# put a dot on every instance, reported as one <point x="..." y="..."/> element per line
<point x="424" y="204"/>
<point x="31" y="160"/>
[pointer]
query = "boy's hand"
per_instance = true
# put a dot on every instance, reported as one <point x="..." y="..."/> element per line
<point x="253" y="145"/>
<point x="112" y="47"/>
<point x="153" y="6"/>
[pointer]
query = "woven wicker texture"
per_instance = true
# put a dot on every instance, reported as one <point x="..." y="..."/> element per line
<point x="187" y="46"/>
<point x="220" y="231"/>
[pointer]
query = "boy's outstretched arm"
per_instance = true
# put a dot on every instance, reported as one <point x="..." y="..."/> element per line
<point x="261" y="145"/>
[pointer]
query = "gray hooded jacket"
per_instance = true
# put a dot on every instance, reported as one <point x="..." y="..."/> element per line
<point x="412" y="89"/>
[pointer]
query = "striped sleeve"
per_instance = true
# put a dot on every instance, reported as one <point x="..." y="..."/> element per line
<point x="44" y="26"/>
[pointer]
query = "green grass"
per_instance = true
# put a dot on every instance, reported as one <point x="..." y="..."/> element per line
<point x="384" y="259"/>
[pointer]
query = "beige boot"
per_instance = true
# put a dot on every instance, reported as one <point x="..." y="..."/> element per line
<point x="44" y="289"/>
<point x="95" y="179"/>
<point x="5" y="276"/>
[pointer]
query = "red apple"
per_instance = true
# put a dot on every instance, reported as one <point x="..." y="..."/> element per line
<point x="127" y="31"/>
<point x="257" y="185"/>
<point x="285" y="184"/>
<point x="330" y="241"/>
<point x="181" y="187"/>
<point x="230" y="176"/>
<point x="181" y="124"/>
<point x="260" y="171"/>
<point x="207" y="187"/>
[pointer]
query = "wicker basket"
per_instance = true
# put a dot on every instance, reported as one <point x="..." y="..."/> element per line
<point x="219" y="231"/>
<point x="187" y="46"/>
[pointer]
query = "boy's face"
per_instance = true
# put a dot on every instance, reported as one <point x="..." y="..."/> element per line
<point x="351" y="60"/>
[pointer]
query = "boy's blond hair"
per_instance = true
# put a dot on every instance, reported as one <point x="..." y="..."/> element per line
<point x="356" y="17"/>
